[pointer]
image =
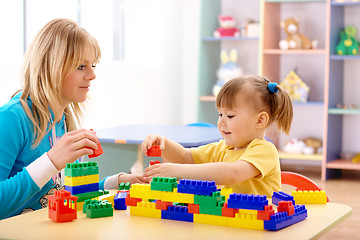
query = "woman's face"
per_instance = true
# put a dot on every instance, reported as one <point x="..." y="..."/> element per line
<point x="76" y="85"/>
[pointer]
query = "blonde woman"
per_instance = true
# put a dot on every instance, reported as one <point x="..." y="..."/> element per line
<point x="38" y="126"/>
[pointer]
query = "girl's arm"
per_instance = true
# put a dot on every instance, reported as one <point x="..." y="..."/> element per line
<point x="170" y="151"/>
<point x="222" y="173"/>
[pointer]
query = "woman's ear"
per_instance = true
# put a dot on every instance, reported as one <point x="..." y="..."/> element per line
<point x="262" y="120"/>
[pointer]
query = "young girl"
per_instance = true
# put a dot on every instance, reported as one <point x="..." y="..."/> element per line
<point x="243" y="160"/>
<point x="38" y="135"/>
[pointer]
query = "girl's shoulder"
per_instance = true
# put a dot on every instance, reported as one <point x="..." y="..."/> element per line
<point x="261" y="143"/>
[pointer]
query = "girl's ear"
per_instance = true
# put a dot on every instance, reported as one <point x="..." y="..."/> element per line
<point x="262" y="120"/>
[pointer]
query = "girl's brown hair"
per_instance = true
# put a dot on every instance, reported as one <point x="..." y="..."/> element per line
<point x="255" y="90"/>
<point x="56" y="51"/>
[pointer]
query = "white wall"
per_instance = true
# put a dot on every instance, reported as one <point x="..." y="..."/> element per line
<point x="157" y="82"/>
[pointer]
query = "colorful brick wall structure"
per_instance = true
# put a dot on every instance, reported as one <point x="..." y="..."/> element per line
<point x="82" y="181"/>
<point x="201" y="202"/>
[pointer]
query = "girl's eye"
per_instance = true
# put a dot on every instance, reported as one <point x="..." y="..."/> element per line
<point x="220" y="115"/>
<point x="230" y="116"/>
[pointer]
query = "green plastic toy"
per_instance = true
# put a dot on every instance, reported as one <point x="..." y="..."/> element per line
<point x="348" y="44"/>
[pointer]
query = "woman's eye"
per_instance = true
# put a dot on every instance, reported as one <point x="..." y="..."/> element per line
<point x="93" y="66"/>
<point x="81" y="67"/>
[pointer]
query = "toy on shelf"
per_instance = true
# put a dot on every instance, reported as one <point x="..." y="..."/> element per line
<point x="202" y="202"/>
<point x="227" y="27"/>
<point x="294" y="39"/>
<point x="297" y="88"/>
<point x="229" y="69"/>
<point x="306" y="146"/>
<point x="62" y="206"/>
<point x="348" y="45"/>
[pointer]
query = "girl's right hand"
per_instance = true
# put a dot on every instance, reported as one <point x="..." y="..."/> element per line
<point x="71" y="146"/>
<point x="151" y="140"/>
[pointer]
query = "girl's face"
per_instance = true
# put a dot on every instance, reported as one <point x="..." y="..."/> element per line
<point x="238" y="125"/>
<point x="76" y="85"/>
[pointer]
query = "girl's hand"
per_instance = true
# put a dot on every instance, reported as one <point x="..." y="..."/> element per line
<point x="161" y="170"/>
<point x="132" y="178"/>
<point x="71" y="146"/>
<point x="153" y="140"/>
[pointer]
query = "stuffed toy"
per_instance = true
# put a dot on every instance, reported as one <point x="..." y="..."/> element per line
<point x="295" y="40"/>
<point x="227" y="27"/>
<point x="348" y="45"/>
<point x="228" y="69"/>
<point x="303" y="146"/>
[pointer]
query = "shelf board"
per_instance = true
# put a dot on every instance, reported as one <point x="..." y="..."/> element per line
<point x="345" y="3"/>
<point x="312" y="103"/>
<point x="280" y="1"/>
<point x="343" y="111"/>
<point x="343" y="164"/>
<point x="215" y="39"/>
<point x="312" y="157"/>
<point x="207" y="98"/>
<point x="344" y="57"/>
<point x="294" y="51"/>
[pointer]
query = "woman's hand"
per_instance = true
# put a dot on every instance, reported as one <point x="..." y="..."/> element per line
<point x="151" y="140"/>
<point x="71" y="146"/>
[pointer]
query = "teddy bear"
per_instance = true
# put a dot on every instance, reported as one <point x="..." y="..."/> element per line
<point x="227" y="27"/>
<point x="229" y="69"/>
<point x="295" y="40"/>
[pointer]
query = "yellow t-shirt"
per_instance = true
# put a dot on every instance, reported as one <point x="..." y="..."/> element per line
<point x="260" y="153"/>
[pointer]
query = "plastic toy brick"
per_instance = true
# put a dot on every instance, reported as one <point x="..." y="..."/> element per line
<point x="119" y="201"/>
<point x="228" y="212"/>
<point x="130" y="201"/>
<point x="193" y="208"/>
<point x="197" y="187"/>
<point x="83" y="188"/>
<point x="144" y="192"/>
<point x="62" y="206"/>
<point x="310" y="197"/>
<point x="145" y="209"/>
<point x="281" y="196"/>
<point x="176" y="197"/>
<point x="247" y="221"/>
<point x="124" y="186"/>
<point x="247" y="201"/>
<point x="88" y="195"/>
<point x="212" y="210"/>
<point x="87" y="202"/>
<point x="281" y="219"/>
<point x="109" y="198"/>
<point x="98" y="151"/>
<point x="81" y="169"/>
<point x="266" y="213"/>
<point x="177" y="213"/>
<point x="152" y="162"/>
<point x="286" y="206"/>
<point x="211" y="219"/>
<point x="226" y="192"/>
<point x="162" y="205"/>
<point x="97" y="210"/>
<point x="166" y="184"/>
<point x="81" y="180"/>
<point x="154" y="151"/>
<point x="209" y="200"/>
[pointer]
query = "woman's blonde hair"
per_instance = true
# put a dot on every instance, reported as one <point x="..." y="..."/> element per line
<point x="56" y="51"/>
<point x="277" y="103"/>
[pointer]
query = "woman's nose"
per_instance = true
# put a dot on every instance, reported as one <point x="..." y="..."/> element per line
<point x="91" y="75"/>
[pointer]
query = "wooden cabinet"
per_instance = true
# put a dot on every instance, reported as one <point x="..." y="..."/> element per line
<point x="343" y="126"/>
<point x="309" y="118"/>
<point x="210" y="48"/>
<point x="332" y="78"/>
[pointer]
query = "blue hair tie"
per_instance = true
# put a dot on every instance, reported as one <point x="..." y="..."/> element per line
<point x="272" y="87"/>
